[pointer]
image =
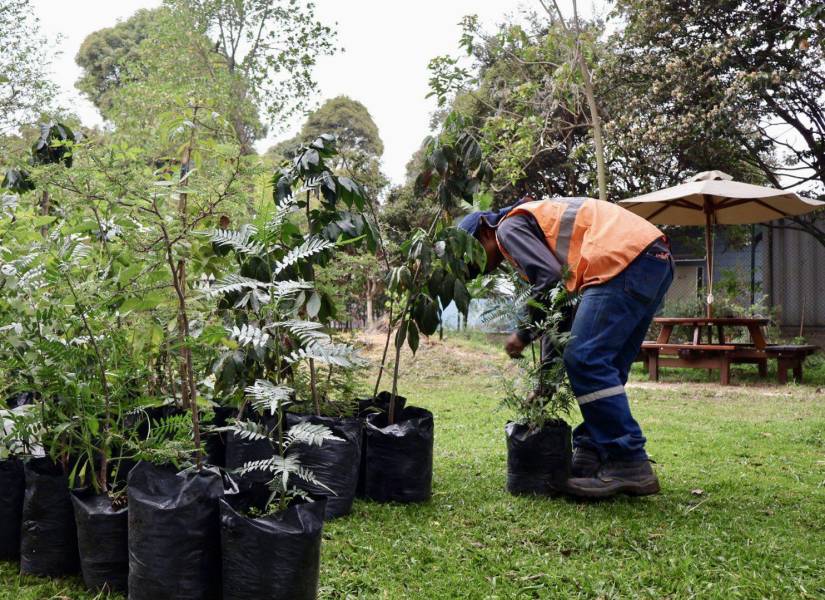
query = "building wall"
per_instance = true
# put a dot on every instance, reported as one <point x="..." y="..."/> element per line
<point x="797" y="282"/>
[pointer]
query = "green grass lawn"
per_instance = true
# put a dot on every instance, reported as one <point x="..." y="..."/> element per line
<point x="740" y="514"/>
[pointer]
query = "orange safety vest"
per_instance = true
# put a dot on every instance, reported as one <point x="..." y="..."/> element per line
<point x="597" y="240"/>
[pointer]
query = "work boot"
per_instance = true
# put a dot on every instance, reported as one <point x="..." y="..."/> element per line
<point x="586" y="462"/>
<point x="635" y="478"/>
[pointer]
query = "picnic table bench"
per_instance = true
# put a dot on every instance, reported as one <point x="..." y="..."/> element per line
<point x="720" y="355"/>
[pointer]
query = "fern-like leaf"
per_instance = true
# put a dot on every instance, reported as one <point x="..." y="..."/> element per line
<point x="249" y="335"/>
<point x="310" y="247"/>
<point x="240" y="241"/>
<point x="284" y="289"/>
<point x="309" y="476"/>
<point x="236" y="283"/>
<point x="339" y="355"/>
<point x="266" y="465"/>
<point x="268" y="396"/>
<point x="246" y="430"/>
<point x="307" y="332"/>
<point x="311" y="434"/>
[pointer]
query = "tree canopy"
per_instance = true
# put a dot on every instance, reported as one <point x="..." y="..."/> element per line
<point x="25" y="89"/>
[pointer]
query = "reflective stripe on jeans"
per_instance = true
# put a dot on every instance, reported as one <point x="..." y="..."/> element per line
<point x="599" y="394"/>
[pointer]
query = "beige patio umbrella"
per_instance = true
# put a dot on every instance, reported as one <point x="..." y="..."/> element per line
<point x="713" y="198"/>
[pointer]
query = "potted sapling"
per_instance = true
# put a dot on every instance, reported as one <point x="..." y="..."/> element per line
<point x="271" y="534"/>
<point x="436" y="265"/>
<point x="539" y="444"/>
<point x="174" y="522"/>
<point x="77" y="420"/>
<point x="47" y="535"/>
<point x="12" y="483"/>
<point x="272" y="309"/>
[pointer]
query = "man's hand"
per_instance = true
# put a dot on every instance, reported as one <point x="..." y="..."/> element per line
<point x="514" y="346"/>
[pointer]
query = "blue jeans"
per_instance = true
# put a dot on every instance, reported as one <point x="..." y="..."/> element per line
<point x="609" y="327"/>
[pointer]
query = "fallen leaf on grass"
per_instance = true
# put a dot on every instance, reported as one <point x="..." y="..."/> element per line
<point x="697" y="492"/>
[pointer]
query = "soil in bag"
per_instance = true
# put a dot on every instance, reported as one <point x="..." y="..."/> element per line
<point x="174" y="533"/>
<point x="12" y="488"/>
<point x="368" y="406"/>
<point x="272" y="557"/>
<point x="335" y="463"/>
<point x="400" y="456"/>
<point x="102" y="538"/>
<point x="538" y="461"/>
<point x="48" y="543"/>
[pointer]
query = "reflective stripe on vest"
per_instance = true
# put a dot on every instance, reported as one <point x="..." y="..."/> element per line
<point x="566" y="225"/>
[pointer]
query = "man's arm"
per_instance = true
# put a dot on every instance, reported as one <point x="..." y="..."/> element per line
<point x="524" y="241"/>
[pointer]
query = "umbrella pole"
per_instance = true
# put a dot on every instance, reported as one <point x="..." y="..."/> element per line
<point x="709" y="254"/>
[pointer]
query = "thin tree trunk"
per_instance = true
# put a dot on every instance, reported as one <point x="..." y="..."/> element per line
<point x="595" y="119"/>
<point x="370" y="294"/>
<point x="188" y="388"/>
<point x="44" y="211"/>
<point x="386" y="349"/>
<point x="313" y="384"/>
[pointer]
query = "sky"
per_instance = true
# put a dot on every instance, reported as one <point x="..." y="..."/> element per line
<point x="387" y="45"/>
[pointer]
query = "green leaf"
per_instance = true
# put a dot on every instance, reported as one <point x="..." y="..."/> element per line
<point x="439" y="161"/>
<point x="401" y="335"/>
<point x="426" y="315"/>
<point x="434" y="283"/>
<point x="149" y="301"/>
<point x="447" y="289"/>
<point x="412" y="336"/>
<point x="314" y="305"/>
<point x="461" y="297"/>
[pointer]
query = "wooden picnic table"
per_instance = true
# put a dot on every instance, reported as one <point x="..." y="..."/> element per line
<point x="720" y="354"/>
<point x="754" y="326"/>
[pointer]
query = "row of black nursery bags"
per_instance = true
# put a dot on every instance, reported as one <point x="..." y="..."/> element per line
<point x="336" y="462"/>
<point x="48" y="544"/>
<point x="12" y="488"/>
<point x="399" y="457"/>
<point x="272" y="557"/>
<point x="174" y="533"/>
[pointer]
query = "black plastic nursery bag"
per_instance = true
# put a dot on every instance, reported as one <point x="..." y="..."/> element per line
<point x="12" y="488"/>
<point x="48" y="544"/>
<point x="538" y="460"/>
<point x="272" y="558"/>
<point x="102" y="538"/>
<point x="335" y="463"/>
<point x="174" y="533"/>
<point x="368" y="406"/>
<point x="399" y="465"/>
<point x="215" y="443"/>
<point x="240" y="451"/>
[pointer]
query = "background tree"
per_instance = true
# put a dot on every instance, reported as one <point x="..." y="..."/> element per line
<point x="205" y="50"/>
<point x="736" y="85"/>
<point x="110" y="57"/>
<point x="25" y="89"/>
<point x="268" y="48"/>
<point x="144" y="71"/>
<point x="525" y="98"/>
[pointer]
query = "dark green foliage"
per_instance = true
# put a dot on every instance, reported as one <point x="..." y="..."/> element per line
<point x="54" y="145"/>
<point x="17" y="181"/>
<point x="310" y="167"/>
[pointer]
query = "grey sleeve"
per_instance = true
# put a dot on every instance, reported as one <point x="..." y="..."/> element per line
<point x="524" y="241"/>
